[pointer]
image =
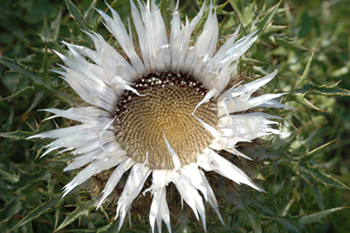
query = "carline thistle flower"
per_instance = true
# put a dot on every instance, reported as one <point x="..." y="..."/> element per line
<point x="165" y="111"/>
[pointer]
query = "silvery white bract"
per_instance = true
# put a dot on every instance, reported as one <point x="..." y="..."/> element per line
<point x="102" y="75"/>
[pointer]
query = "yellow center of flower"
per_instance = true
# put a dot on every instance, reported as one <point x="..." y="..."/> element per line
<point x="163" y="107"/>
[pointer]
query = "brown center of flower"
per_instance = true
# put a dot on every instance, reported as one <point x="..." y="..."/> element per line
<point x="163" y="107"/>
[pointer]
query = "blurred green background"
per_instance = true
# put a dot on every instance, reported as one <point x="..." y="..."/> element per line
<point x="306" y="174"/>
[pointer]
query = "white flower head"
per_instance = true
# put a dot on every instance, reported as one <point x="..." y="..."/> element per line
<point x="162" y="111"/>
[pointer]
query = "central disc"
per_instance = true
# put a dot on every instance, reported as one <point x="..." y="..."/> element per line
<point x="165" y="103"/>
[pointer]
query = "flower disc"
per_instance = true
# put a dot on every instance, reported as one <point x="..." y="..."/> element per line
<point x="163" y="108"/>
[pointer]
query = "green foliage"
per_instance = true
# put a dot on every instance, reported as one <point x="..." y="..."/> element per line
<point x="305" y="172"/>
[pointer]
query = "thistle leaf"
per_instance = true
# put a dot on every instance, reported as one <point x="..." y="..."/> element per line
<point x="17" y="135"/>
<point x="50" y="34"/>
<point x="325" y="90"/>
<point x="245" y="13"/>
<point x="9" y="177"/>
<point x="40" y="84"/>
<point x="318" y="175"/>
<point x="308" y="219"/>
<point x="83" y="209"/>
<point x="23" y="92"/>
<point x="10" y="209"/>
<point x="264" y="22"/>
<point x="46" y="206"/>
<point x="77" y="15"/>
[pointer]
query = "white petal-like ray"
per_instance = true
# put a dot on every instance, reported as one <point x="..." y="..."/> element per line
<point x="140" y="28"/>
<point x="176" y="160"/>
<point x="159" y="208"/>
<point x="238" y="49"/>
<point x="207" y="41"/>
<point x="87" y="52"/>
<point x="246" y="102"/>
<point x="204" y="48"/>
<point x="208" y="127"/>
<point x="250" y="87"/>
<point x="248" y="126"/>
<point x="115" y="177"/>
<point x="111" y="60"/>
<point x="87" y="92"/>
<point x="175" y="24"/>
<point x="200" y="182"/>
<point x="228" y="44"/>
<point x="191" y="196"/>
<point x="179" y="45"/>
<point x="116" y="27"/>
<point x="82" y="115"/>
<point x="133" y="186"/>
<point x="211" y="161"/>
<point x="63" y="132"/>
<point x="95" y="167"/>
<point x="274" y="104"/>
<point x="84" y="160"/>
<point x="86" y="78"/>
<point x="206" y="98"/>
<point x="233" y="150"/>
<point x="108" y="149"/>
<point x="154" y="37"/>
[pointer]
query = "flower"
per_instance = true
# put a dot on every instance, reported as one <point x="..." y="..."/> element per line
<point x="165" y="111"/>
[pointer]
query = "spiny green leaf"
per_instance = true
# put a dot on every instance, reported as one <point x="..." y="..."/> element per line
<point x="245" y="13"/>
<point x="325" y="90"/>
<point x="107" y="227"/>
<point x="46" y="34"/>
<point x="16" y="67"/>
<point x="288" y="43"/>
<point x="9" y="177"/>
<point x="76" y="14"/>
<point x="292" y="225"/>
<point x="271" y="29"/>
<point x="83" y="25"/>
<point x="219" y="8"/>
<point x="317" y="195"/>
<point x="279" y="193"/>
<point x="317" y="216"/>
<point x="10" y="209"/>
<point x="23" y="92"/>
<point x="319" y="148"/>
<point x="28" y="228"/>
<point x="289" y="223"/>
<point x="317" y="174"/>
<point x="302" y="81"/>
<point x="83" y="209"/>
<point x="46" y="206"/>
<point x="89" y="15"/>
<point x="40" y="97"/>
<point x="300" y="97"/>
<point x="255" y="223"/>
<point x="27" y="180"/>
<point x="50" y="34"/>
<point x="38" y="81"/>
<point x="18" y="134"/>
<point x="45" y="74"/>
<point x="264" y="22"/>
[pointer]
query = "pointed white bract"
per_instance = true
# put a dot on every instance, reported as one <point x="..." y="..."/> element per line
<point x="100" y="76"/>
<point x="176" y="160"/>
<point x="159" y="208"/>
